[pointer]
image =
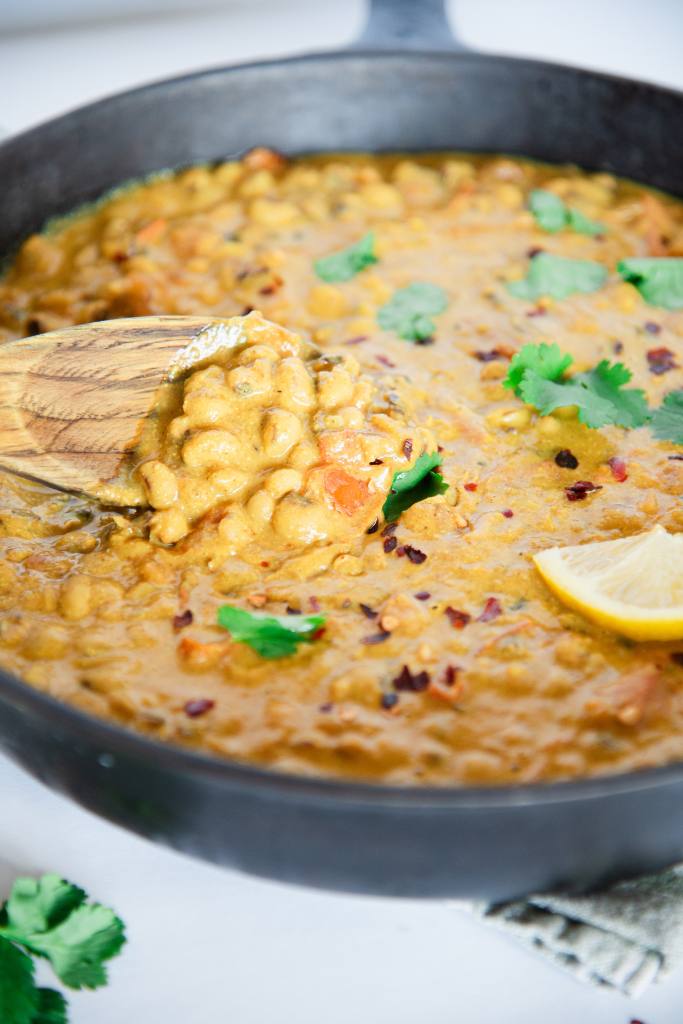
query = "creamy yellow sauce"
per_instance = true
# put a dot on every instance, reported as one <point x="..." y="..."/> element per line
<point x="458" y="667"/>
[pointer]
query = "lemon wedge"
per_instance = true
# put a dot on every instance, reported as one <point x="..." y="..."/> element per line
<point x="633" y="586"/>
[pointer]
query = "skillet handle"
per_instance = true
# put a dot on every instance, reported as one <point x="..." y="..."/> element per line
<point x="408" y="25"/>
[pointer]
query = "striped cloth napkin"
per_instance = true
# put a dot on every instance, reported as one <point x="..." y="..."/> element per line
<point x="626" y="937"/>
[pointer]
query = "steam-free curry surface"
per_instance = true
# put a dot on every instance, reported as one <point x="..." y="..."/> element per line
<point x="444" y="657"/>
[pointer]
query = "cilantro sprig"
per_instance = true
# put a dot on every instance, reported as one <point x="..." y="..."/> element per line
<point x="558" y="277"/>
<point x="409" y="311"/>
<point x="413" y="485"/>
<point x="667" y="421"/>
<point x="552" y="215"/>
<point x="344" y="264"/>
<point x="658" y="279"/>
<point x="537" y="376"/>
<point x="50" y="918"/>
<point x="271" y="636"/>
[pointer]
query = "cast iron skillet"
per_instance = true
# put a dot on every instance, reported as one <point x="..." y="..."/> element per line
<point x="411" y="842"/>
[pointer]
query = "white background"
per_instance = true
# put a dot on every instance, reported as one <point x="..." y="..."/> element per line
<point x="208" y="946"/>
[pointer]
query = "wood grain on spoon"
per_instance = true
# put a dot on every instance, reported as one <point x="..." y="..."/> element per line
<point x="72" y="401"/>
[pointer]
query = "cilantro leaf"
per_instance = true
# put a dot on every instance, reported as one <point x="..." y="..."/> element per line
<point x="667" y="421"/>
<point x="346" y="263"/>
<point x="271" y="636"/>
<point x="78" y="947"/>
<point x="52" y="1007"/>
<point x="415" y="484"/>
<point x="558" y="277"/>
<point x="410" y="310"/>
<point x="658" y="279"/>
<point x="598" y="395"/>
<point x="34" y="905"/>
<point x="18" y="993"/>
<point x="607" y="382"/>
<point x="548" y="361"/>
<point x="552" y="214"/>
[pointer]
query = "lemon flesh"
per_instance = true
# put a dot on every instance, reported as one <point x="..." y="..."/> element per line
<point x="633" y="586"/>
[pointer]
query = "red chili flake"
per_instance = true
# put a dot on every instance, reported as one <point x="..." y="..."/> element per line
<point x="389" y="529"/>
<point x="492" y="610"/>
<point x="457" y="619"/>
<point x="450" y="674"/>
<point x="183" y="619"/>
<point x="326" y="707"/>
<point x="247" y="310"/>
<point x="357" y="340"/>
<point x="470" y="487"/>
<point x="661" y="360"/>
<point x="408" y="447"/>
<point x="618" y="347"/>
<point x="314" y="604"/>
<point x="566" y="459"/>
<point x="675" y="458"/>
<point x="374" y="527"/>
<point x="376" y="638"/>
<point x="508" y="513"/>
<point x="265" y="564"/>
<point x="489" y="355"/>
<point x="424" y="341"/>
<point x="389" y="544"/>
<point x="537" y="311"/>
<point x="320" y="631"/>
<point x="400" y="551"/>
<point x="367" y="611"/>
<point x="385" y="361"/>
<point x="423" y="595"/>
<point x="195" y="708"/>
<point x="292" y="611"/>
<point x="618" y="467"/>
<point x="413" y="682"/>
<point x="677" y="657"/>
<point x="415" y="556"/>
<point x="269" y="289"/>
<point x="652" y="328"/>
<point x="581" y="489"/>
<point x="388" y="701"/>
<point x="376" y="462"/>
<point x="534" y="251"/>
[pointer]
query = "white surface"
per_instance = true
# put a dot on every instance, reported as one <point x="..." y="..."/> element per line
<point x="209" y="946"/>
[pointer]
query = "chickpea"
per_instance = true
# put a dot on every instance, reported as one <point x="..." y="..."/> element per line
<point x="160" y="483"/>
<point x="282" y="481"/>
<point x="75" y="598"/>
<point x="212" y="448"/>
<point x="280" y="431"/>
<point x="168" y="526"/>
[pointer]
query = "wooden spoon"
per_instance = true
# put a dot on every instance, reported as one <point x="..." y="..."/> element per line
<point x="72" y="401"/>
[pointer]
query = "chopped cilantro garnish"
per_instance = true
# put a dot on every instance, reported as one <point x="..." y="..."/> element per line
<point x="536" y="375"/>
<point x="49" y="917"/>
<point x="553" y="215"/>
<point x="667" y="421"/>
<point x="271" y="636"/>
<point x="558" y="277"/>
<point x="410" y="310"/>
<point x="413" y="485"/>
<point x="658" y="279"/>
<point x="547" y="361"/>
<point x="346" y="263"/>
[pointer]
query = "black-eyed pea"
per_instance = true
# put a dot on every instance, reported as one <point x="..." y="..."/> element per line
<point x="168" y="526"/>
<point x="351" y="418"/>
<point x="235" y="528"/>
<point x="228" y="482"/>
<point x="75" y="598"/>
<point x="280" y="431"/>
<point x="335" y="388"/>
<point x="207" y="408"/>
<point x="161" y="485"/>
<point x="257" y="184"/>
<point x="177" y="428"/>
<point x="300" y="521"/>
<point x="212" y="448"/>
<point x="382" y="197"/>
<point x="252" y="381"/>
<point x="46" y="643"/>
<point x="260" y="508"/>
<point x="509" y="418"/>
<point x="282" y="481"/>
<point x="271" y="213"/>
<point x="294" y="385"/>
<point x="8" y="577"/>
<point x="210" y="378"/>
<point x="76" y="542"/>
<point x="304" y="456"/>
<point x="253" y="352"/>
<point x="327" y="302"/>
<point x="196" y="496"/>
